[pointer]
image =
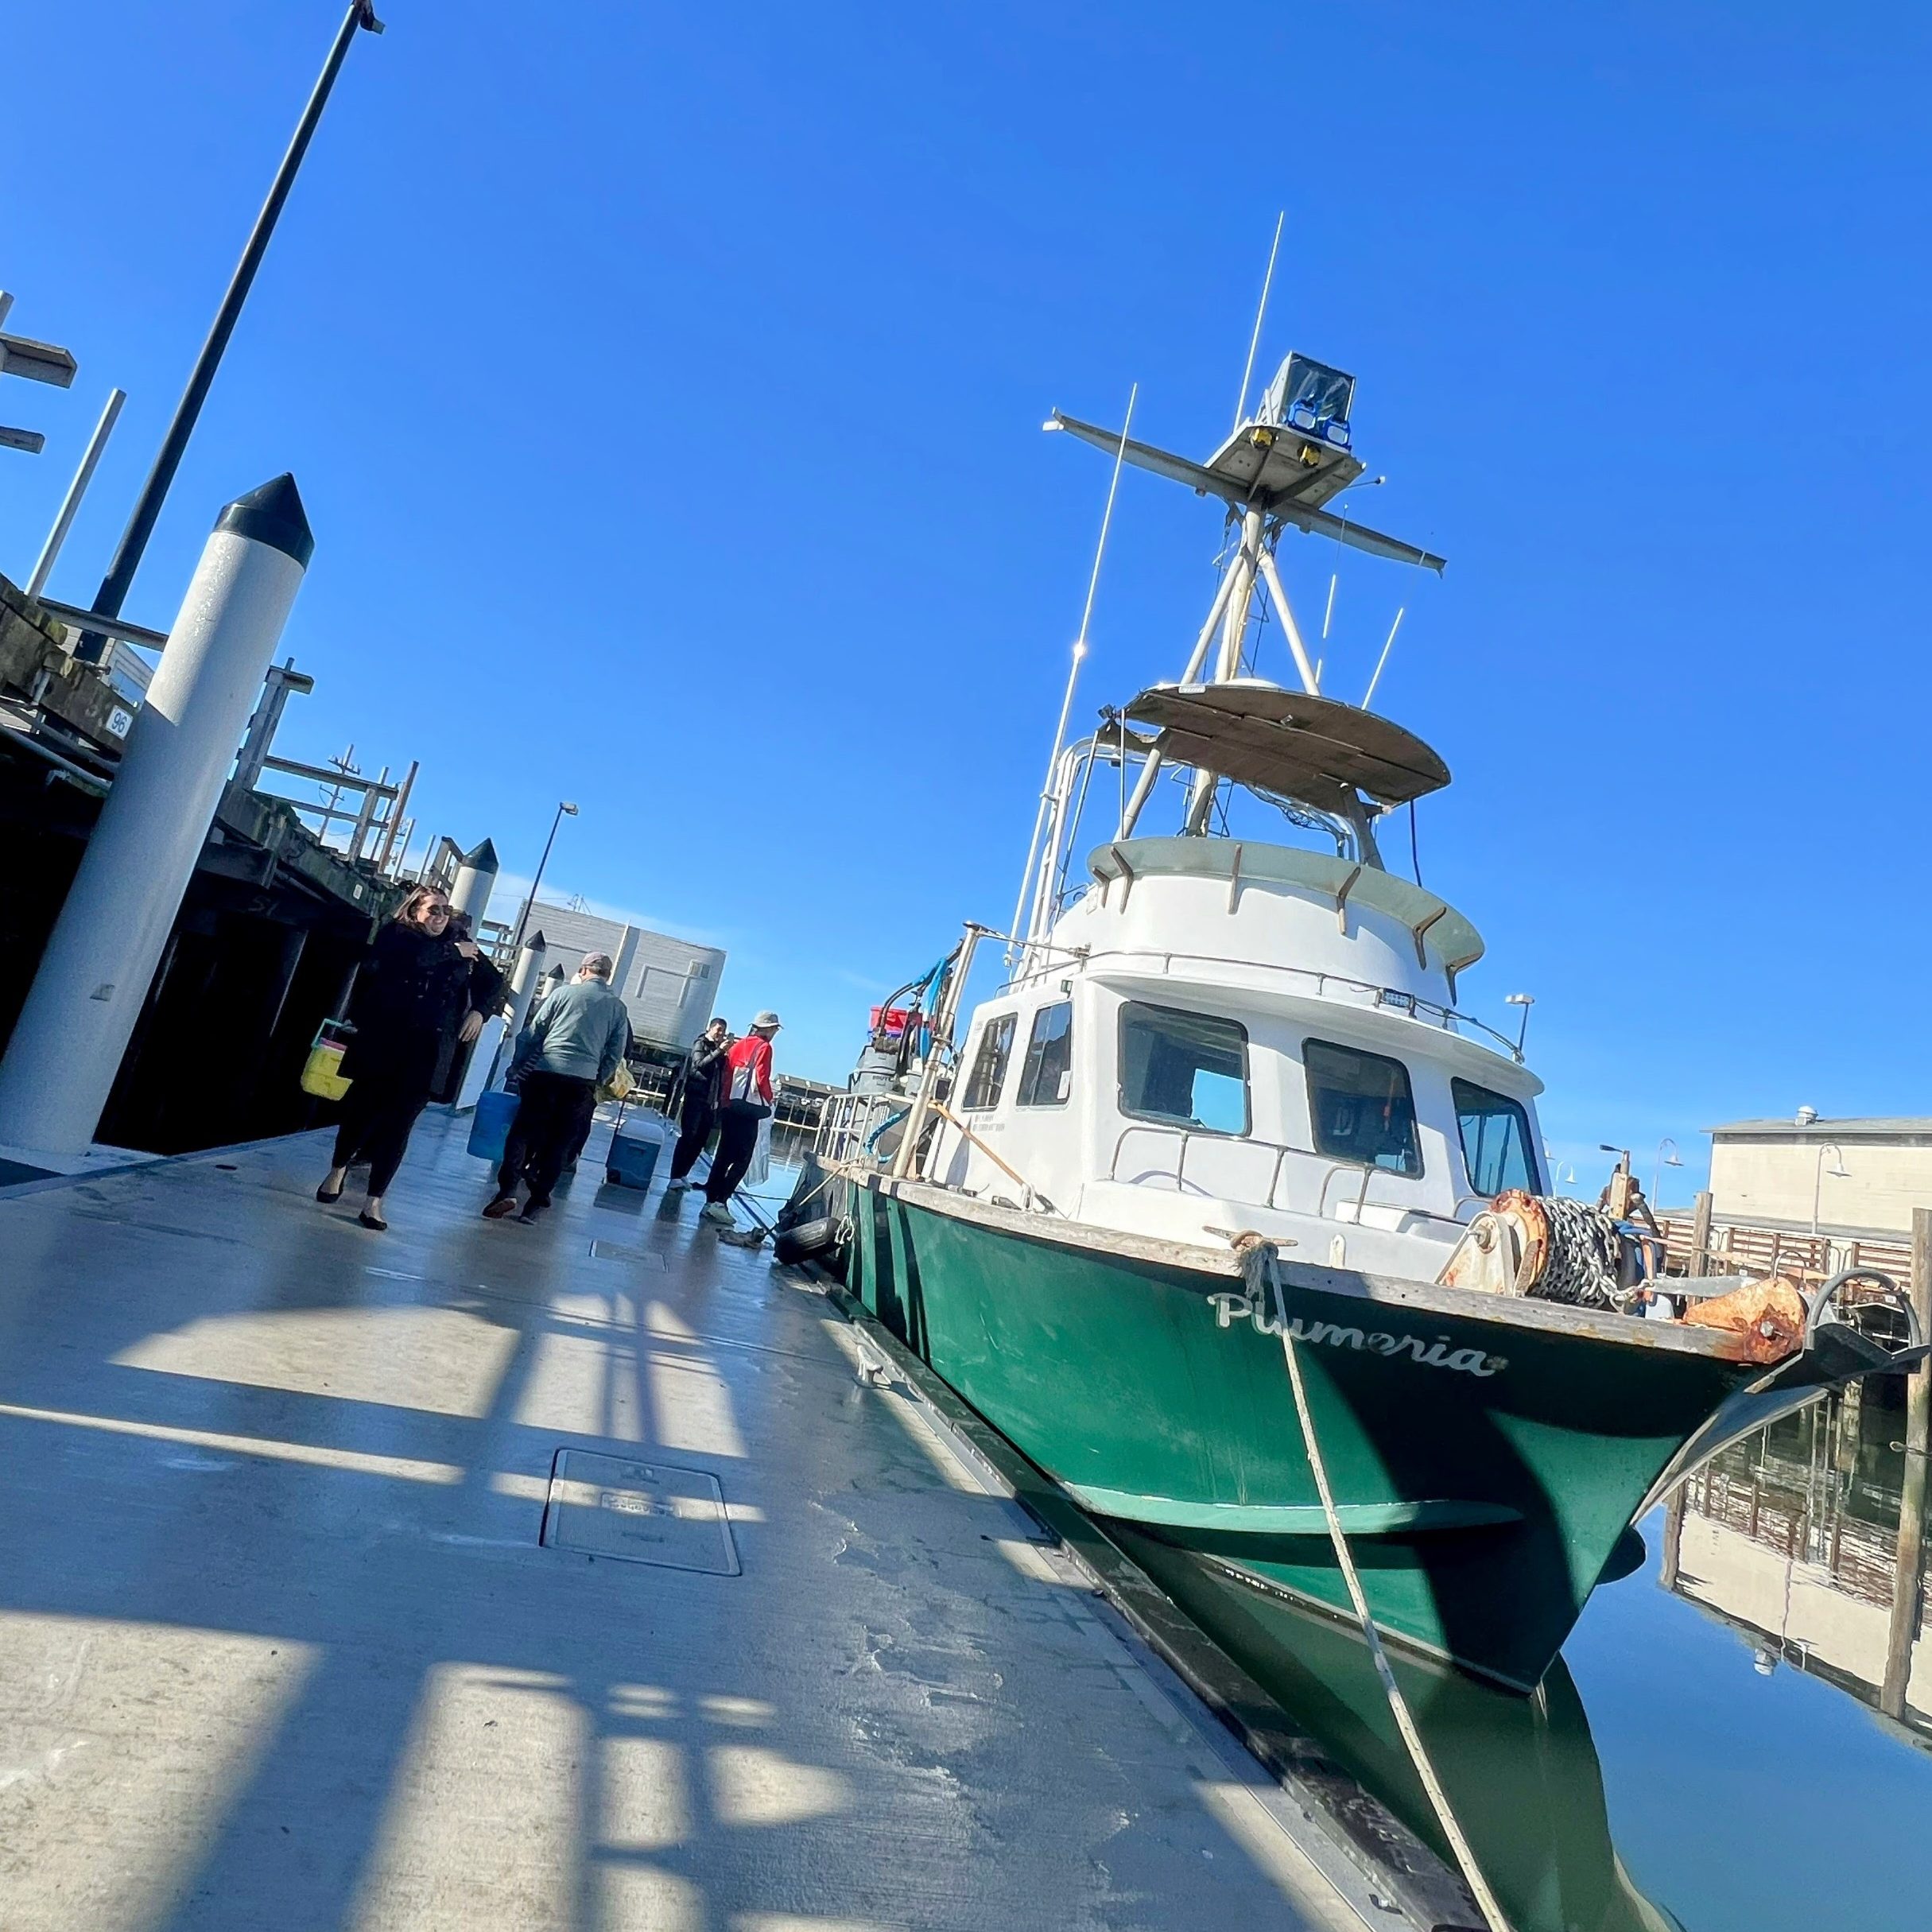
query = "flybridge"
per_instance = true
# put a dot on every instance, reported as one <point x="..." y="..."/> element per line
<point x="1295" y="455"/>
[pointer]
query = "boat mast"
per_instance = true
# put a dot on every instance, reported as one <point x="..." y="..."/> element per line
<point x="1279" y="467"/>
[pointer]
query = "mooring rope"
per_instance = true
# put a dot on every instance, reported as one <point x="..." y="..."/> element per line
<point x="1260" y="1267"/>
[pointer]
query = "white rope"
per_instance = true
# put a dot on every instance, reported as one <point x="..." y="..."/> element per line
<point x="1405" y="1721"/>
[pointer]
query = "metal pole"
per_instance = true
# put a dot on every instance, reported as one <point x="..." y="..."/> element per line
<point x="1079" y="651"/>
<point x="1150" y="769"/>
<point x="75" y="491"/>
<point x="942" y="1038"/>
<point x="398" y="805"/>
<point x="1234" y="631"/>
<point x="126" y="560"/>
<point x="523" y="918"/>
<point x="1310" y="684"/>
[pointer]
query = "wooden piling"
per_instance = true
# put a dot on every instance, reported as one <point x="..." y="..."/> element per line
<point x="1909" y="1568"/>
<point x="1700" y="1232"/>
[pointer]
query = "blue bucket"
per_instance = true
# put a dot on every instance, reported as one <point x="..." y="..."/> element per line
<point x="490" y="1125"/>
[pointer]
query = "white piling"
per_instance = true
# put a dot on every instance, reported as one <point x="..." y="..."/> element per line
<point x="94" y="977"/>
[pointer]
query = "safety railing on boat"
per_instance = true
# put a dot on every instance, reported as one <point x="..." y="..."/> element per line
<point x="1040" y="963"/>
<point x="1276" y="1154"/>
<point x="850" y="1123"/>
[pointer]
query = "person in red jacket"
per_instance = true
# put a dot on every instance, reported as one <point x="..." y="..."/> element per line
<point x="749" y="1097"/>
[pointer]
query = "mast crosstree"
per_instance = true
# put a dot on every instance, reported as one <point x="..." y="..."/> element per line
<point x="1277" y="469"/>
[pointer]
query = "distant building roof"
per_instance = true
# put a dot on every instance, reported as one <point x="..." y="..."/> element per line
<point x="1893" y="1126"/>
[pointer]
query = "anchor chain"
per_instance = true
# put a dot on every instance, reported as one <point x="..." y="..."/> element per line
<point x="1584" y="1267"/>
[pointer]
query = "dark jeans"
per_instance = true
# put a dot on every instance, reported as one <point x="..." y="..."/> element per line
<point x="377" y="1115"/>
<point x="552" y="1110"/>
<point x="695" y="1124"/>
<point x="737" y="1141"/>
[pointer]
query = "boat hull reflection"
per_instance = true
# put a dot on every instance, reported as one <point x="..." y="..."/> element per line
<point x="1522" y="1773"/>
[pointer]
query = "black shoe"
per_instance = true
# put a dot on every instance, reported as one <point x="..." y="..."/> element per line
<point x="503" y="1205"/>
<point x="324" y="1195"/>
<point x="531" y="1213"/>
<point x="373" y="1221"/>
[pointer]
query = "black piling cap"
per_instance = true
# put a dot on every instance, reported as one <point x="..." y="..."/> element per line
<point x="538" y="942"/>
<point x="273" y="515"/>
<point x="482" y="859"/>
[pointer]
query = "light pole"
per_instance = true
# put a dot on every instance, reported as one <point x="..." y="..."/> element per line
<point x="1817" y="1175"/>
<point x="113" y="592"/>
<point x="564" y="810"/>
<point x="1663" y="1161"/>
<point x="1526" y="1001"/>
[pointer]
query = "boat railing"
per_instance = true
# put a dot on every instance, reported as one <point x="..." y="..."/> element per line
<point x="849" y="1122"/>
<point x="1325" y="985"/>
<point x="1269" y="1195"/>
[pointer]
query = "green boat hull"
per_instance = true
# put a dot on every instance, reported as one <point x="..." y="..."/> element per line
<point x="1489" y="1473"/>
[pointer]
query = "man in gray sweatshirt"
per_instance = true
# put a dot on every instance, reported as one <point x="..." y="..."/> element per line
<point x="571" y="1045"/>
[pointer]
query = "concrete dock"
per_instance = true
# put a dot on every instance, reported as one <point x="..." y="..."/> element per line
<point x="586" y="1575"/>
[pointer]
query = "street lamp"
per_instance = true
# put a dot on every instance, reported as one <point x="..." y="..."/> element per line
<point x="1663" y="1161"/>
<point x="1526" y="1001"/>
<point x="565" y="809"/>
<point x="1836" y="1170"/>
<point x="112" y="594"/>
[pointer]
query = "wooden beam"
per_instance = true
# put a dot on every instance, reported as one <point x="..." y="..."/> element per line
<point x="1699" y="1231"/>
<point x="1908" y="1576"/>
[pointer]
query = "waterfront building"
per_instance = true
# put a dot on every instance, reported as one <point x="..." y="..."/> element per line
<point x="669" y="985"/>
<point x="1853" y="1178"/>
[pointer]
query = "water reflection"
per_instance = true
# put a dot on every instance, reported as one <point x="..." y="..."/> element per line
<point x="1809" y="1541"/>
<point x="1522" y="1773"/>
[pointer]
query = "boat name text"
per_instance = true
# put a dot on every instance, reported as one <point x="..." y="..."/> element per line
<point x="1230" y="1308"/>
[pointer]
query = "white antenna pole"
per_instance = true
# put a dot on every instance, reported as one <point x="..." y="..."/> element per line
<point x="1384" y="658"/>
<point x="1079" y="651"/>
<point x="1327" y="615"/>
<point x="1254" y="341"/>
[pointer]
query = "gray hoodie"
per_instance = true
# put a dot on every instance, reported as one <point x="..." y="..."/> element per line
<point x="581" y="1029"/>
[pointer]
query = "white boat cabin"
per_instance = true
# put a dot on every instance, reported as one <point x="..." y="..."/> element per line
<point x="1218" y="1035"/>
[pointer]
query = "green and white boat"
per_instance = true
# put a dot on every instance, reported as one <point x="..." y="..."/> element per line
<point x="1224" y="1091"/>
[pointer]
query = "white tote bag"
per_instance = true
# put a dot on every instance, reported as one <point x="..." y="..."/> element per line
<point x="760" y="1169"/>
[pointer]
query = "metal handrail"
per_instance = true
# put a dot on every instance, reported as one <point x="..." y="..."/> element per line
<point x="1449" y="1019"/>
<point x="1186" y="1136"/>
<point x="1817" y="1307"/>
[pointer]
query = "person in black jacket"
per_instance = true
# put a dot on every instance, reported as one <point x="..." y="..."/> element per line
<point x="411" y="1003"/>
<point x="487" y="984"/>
<point x="703" y="1076"/>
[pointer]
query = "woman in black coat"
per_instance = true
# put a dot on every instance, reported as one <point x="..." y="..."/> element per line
<point x="411" y="1003"/>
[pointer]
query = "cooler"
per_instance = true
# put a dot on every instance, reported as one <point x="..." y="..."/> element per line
<point x="632" y="1158"/>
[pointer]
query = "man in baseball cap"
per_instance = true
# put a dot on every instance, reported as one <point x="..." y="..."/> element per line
<point x="749" y="1098"/>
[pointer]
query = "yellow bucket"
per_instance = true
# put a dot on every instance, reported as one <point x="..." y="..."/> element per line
<point x="322" y="1072"/>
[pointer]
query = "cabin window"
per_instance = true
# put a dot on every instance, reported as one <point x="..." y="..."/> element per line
<point x="1188" y="1069"/>
<point x="1496" y="1147"/>
<point x="1362" y="1107"/>
<point x="1046" y="1074"/>
<point x="989" y="1065"/>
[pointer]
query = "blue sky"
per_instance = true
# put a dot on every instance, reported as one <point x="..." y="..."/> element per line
<point x="664" y="384"/>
